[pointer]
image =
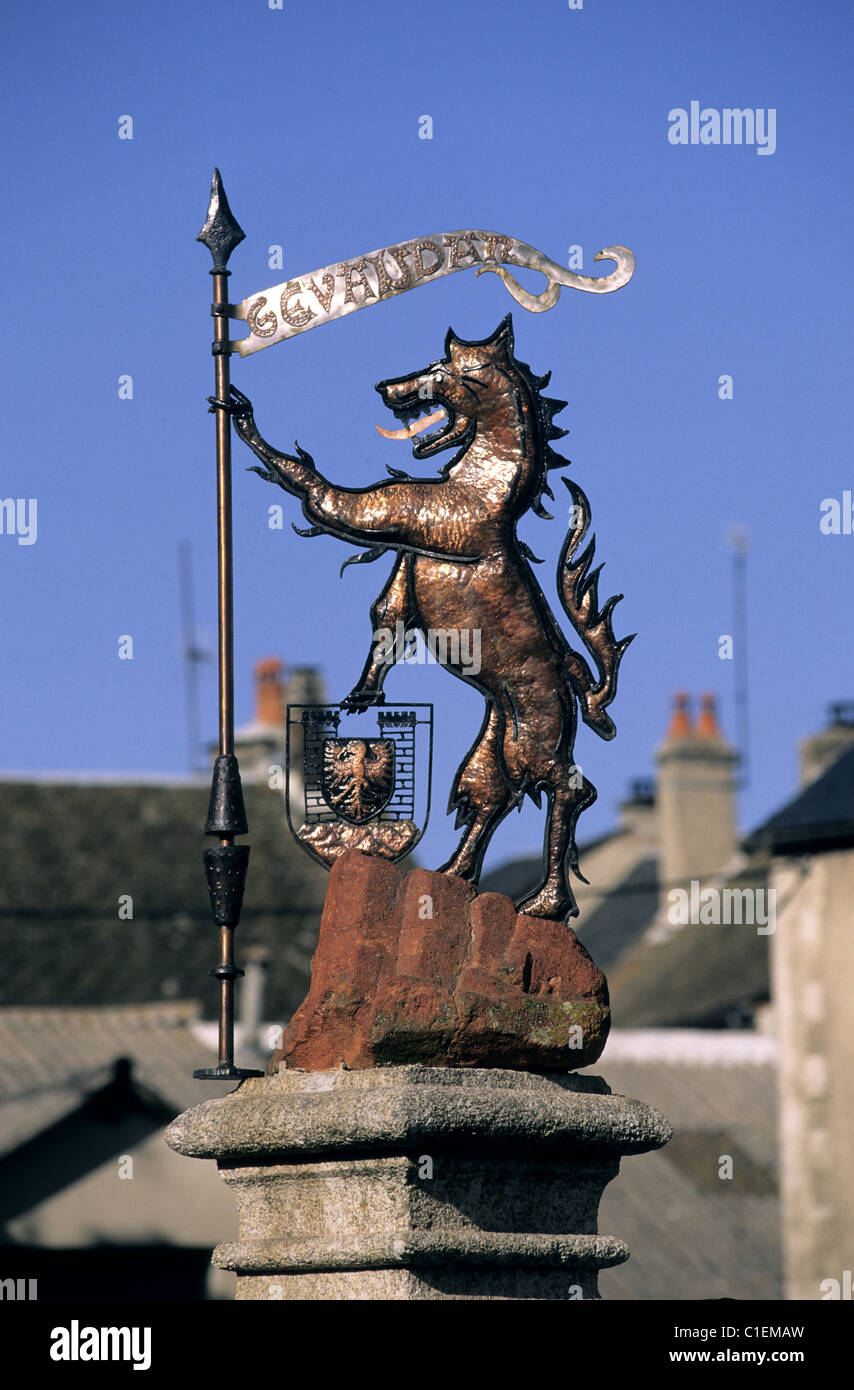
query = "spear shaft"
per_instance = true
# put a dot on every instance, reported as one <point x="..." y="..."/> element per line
<point x="225" y="865"/>
<point x="225" y="580"/>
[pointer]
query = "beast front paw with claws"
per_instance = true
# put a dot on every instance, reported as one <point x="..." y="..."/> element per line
<point x="360" y="700"/>
<point x="240" y="408"/>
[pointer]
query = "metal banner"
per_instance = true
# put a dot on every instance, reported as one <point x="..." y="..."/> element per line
<point x="322" y="295"/>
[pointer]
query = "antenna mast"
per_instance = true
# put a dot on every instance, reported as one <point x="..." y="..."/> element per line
<point x="739" y="545"/>
<point x="193" y="655"/>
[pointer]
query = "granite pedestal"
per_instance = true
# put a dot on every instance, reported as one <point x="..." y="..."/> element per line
<point x="418" y="1182"/>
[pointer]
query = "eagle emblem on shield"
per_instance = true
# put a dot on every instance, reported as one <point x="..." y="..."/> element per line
<point x="358" y="776"/>
<point x="348" y="789"/>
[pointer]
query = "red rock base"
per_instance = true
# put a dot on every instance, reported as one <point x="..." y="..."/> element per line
<point x="418" y="967"/>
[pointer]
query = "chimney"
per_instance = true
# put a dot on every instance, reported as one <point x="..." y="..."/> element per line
<point x="269" y="692"/>
<point x="638" y="810"/>
<point x="821" y="750"/>
<point x="252" y="991"/>
<point x="695" y="796"/>
<point x="260" y="744"/>
<point x="680" y="719"/>
<point x="306" y="686"/>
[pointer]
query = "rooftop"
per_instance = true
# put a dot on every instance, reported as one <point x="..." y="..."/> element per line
<point x="75" y="852"/>
<point x="820" y="817"/>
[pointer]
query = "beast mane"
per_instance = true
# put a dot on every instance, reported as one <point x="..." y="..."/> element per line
<point x="546" y="408"/>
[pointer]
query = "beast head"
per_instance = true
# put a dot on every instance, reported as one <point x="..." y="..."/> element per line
<point x="452" y="394"/>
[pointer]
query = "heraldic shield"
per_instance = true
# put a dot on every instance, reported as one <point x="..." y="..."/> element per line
<point x="350" y="788"/>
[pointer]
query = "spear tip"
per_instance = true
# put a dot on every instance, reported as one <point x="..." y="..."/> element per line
<point x="221" y="232"/>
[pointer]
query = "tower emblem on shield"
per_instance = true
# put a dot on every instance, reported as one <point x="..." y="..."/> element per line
<point x="350" y="789"/>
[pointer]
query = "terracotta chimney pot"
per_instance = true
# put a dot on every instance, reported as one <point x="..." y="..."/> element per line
<point x="269" y="691"/>
<point x="680" y="719"/>
<point x="707" y="722"/>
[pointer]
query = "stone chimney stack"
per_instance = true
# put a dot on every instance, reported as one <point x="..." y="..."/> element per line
<point x="695" y="796"/>
<point x="819" y="751"/>
<point x="305" y="686"/>
<point x="638" y="812"/>
<point x="260" y="744"/>
<point x="252" y="994"/>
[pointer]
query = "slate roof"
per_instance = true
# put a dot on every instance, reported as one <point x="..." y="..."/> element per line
<point x="71" y="848"/>
<point x="820" y="817"/>
<point x="518" y="876"/>
<point x="689" y="977"/>
<point x="54" y="1059"/>
<point x="692" y="1234"/>
<point x="611" y="918"/>
<point x="695" y="976"/>
<point x="621" y="916"/>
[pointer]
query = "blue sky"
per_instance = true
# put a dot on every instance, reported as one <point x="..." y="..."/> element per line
<point x="549" y="124"/>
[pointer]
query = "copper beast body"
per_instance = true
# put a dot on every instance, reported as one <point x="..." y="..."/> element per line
<point x="460" y="565"/>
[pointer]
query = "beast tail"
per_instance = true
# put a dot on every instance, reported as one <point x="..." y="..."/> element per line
<point x="579" y="595"/>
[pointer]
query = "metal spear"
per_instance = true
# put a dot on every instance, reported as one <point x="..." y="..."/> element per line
<point x="227" y="863"/>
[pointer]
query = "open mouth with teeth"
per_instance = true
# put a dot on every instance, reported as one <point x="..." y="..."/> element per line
<point x="431" y="425"/>
<point x="412" y="427"/>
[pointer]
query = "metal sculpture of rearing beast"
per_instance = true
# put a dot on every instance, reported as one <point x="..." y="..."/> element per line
<point x="459" y="564"/>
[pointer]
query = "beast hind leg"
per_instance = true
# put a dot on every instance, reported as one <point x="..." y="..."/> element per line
<point x="481" y="795"/>
<point x="554" y="898"/>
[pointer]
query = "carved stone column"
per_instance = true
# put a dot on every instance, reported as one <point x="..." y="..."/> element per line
<point x="410" y="1182"/>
